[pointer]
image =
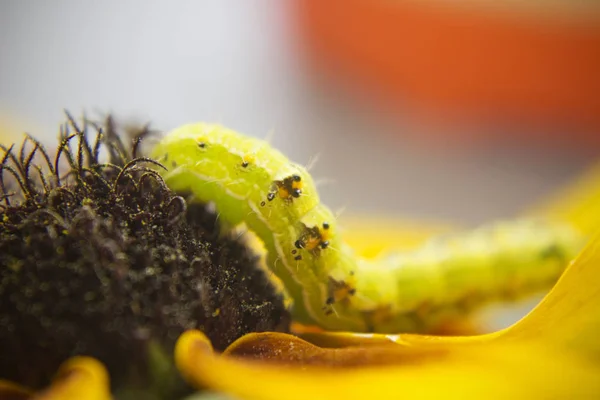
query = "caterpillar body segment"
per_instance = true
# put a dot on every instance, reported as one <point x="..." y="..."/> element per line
<point x="453" y="274"/>
<point x="206" y="161"/>
<point x="215" y="155"/>
<point x="410" y="291"/>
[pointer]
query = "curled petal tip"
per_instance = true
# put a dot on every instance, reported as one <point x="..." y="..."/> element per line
<point x="79" y="378"/>
<point x="191" y="346"/>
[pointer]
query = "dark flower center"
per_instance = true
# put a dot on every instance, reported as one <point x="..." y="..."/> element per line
<point x="102" y="259"/>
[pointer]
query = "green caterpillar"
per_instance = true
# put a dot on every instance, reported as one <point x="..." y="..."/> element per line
<point x="411" y="291"/>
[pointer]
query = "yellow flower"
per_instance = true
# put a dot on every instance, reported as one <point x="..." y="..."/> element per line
<point x="553" y="352"/>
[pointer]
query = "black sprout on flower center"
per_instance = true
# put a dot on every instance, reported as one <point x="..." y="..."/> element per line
<point x="101" y="258"/>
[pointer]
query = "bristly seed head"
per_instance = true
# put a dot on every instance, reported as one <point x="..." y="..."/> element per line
<point x="102" y="258"/>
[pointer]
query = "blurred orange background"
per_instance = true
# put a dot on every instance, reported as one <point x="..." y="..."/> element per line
<point x="535" y="63"/>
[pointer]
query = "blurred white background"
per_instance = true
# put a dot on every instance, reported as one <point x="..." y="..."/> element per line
<point x="239" y="63"/>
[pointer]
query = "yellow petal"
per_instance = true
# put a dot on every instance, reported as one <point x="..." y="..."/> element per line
<point x="80" y="378"/>
<point x="515" y="371"/>
<point x="13" y="125"/>
<point x="551" y="353"/>
<point x="281" y="348"/>
<point x="569" y="316"/>
<point x="6" y="130"/>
